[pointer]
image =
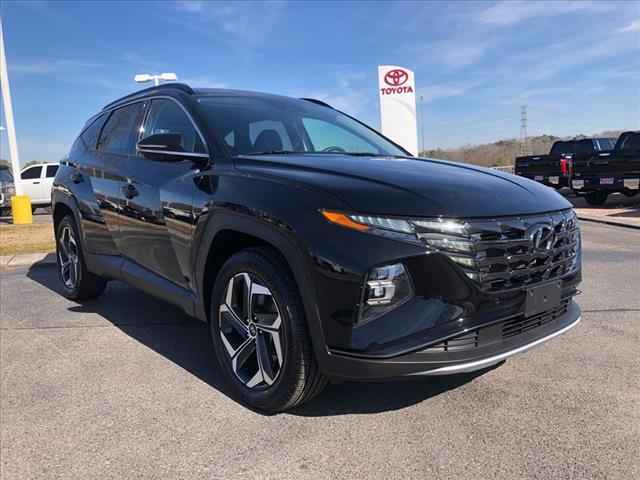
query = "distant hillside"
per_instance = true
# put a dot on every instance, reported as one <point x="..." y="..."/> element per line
<point x="503" y="152"/>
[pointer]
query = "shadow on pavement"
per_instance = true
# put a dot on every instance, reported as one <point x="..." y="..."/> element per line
<point x="361" y="398"/>
<point x="186" y="342"/>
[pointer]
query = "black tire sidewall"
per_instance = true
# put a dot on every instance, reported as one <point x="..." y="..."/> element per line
<point x="70" y="292"/>
<point x="596" y="198"/>
<point x="279" y="394"/>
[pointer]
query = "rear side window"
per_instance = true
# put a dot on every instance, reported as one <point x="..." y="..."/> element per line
<point x="120" y="133"/>
<point x="166" y="116"/>
<point x="632" y="142"/>
<point x="31" y="173"/>
<point x="52" y="170"/>
<point x="90" y="136"/>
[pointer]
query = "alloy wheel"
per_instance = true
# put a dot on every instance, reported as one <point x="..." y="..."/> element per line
<point x="68" y="256"/>
<point x="250" y="324"/>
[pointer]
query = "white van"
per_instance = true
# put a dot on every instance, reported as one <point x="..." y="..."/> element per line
<point x="37" y="181"/>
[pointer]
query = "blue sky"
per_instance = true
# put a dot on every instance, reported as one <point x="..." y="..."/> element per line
<point x="576" y="64"/>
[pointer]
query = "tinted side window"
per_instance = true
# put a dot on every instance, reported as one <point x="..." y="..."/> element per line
<point x="632" y="142"/>
<point x="52" y="170"/>
<point x="90" y="135"/>
<point x="120" y="133"/>
<point x="166" y="116"/>
<point x="30" y="173"/>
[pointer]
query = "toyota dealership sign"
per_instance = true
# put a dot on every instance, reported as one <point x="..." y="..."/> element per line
<point x="397" y="88"/>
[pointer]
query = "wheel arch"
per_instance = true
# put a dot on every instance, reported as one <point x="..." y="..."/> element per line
<point x="230" y="235"/>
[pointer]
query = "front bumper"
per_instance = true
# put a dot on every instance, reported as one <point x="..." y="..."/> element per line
<point x="429" y="361"/>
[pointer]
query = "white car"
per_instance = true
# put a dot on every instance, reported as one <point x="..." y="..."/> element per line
<point x="37" y="181"/>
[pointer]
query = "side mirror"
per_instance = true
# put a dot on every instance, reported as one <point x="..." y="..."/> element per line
<point x="167" y="147"/>
<point x="161" y="143"/>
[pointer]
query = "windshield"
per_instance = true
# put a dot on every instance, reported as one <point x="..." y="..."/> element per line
<point x="5" y="175"/>
<point x="262" y="125"/>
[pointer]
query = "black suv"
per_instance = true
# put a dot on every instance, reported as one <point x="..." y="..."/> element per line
<point x="314" y="247"/>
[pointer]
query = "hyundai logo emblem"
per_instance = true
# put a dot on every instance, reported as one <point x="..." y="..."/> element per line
<point x="396" y="77"/>
<point x="541" y="236"/>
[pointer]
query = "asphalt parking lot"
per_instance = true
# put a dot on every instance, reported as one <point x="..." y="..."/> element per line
<point x="126" y="387"/>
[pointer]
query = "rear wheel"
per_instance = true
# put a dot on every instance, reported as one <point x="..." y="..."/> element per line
<point x="260" y="335"/>
<point x="596" y="198"/>
<point x="77" y="281"/>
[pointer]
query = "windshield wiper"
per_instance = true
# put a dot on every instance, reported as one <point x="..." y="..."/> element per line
<point x="369" y="154"/>
<point x="274" y="152"/>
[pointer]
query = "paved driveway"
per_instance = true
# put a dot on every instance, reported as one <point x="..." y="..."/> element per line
<point x="126" y="387"/>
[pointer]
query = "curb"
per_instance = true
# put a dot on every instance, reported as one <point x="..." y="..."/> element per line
<point x="28" y="259"/>
<point x="609" y="222"/>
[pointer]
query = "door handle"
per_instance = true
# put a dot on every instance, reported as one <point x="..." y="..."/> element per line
<point x="36" y="183"/>
<point x="76" y="177"/>
<point x="130" y="191"/>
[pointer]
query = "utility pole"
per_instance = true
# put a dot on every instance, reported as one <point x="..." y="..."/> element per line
<point x="421" y="124"/>
<point x="524" y="137"/>
<point x="8" y="114"/>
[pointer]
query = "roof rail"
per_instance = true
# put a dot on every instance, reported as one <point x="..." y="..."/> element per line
<point x="164" y="86"/>
<point x="317" y="102"/>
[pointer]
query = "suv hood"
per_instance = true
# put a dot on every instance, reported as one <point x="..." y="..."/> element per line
<point x="410" y="186"/>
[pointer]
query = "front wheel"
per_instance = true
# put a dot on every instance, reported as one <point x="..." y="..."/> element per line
<point x="78" y="282"/>
<point x="260" y="335"/>
<point x="596" y="198"/>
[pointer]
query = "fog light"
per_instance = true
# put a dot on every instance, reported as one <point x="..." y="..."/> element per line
<point x="386" y="288"/>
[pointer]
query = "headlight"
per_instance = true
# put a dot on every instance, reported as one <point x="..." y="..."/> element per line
<point x="436" y="233"/>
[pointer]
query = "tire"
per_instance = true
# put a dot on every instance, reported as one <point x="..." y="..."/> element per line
<point x="33" y="209"/>
<point x="78" y="283"/>
<point x="281" y="380"/>
<point x="596" y="198"/>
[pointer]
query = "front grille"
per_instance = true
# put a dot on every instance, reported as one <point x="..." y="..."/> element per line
<point x="508" y="253"/>
<point x="498" y="332"/>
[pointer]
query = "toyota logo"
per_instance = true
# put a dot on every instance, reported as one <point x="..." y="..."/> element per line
<point x="541" y="237"/>
<point x="396" y="77"/>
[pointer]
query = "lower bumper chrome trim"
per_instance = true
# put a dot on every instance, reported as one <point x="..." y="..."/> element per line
<point x="490" y="361"/>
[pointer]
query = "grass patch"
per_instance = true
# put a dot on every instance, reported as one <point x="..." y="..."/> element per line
<point x="17" y="239"/>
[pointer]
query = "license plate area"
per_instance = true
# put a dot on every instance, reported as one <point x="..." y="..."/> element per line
<point x="542" y="298"/>
<point x="606" y="181"/>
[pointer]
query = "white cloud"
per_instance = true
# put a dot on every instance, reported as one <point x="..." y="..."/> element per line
<point x="632" y="27"/>
<point x="203" y="82"/>
<point x="506" y="13"/>
<point x="453" y="53"/>
<point x="46" y="67"/>
<point x="193" y="6"/>
<point x="431" y="93"/>
<point x="247" y="22"/>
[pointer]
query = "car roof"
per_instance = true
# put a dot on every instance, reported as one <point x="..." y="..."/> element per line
<point x="177" y="89"/>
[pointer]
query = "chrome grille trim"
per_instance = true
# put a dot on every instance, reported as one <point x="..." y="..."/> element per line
<point x="502" y="255"/>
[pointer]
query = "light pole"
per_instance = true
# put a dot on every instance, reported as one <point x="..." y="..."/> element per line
<point x="422" y="121"/>
<point x="156" y="79"/>
<point x="20" y="203"/>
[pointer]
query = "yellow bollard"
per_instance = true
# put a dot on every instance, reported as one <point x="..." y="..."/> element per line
<point x="21" y="210"/>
